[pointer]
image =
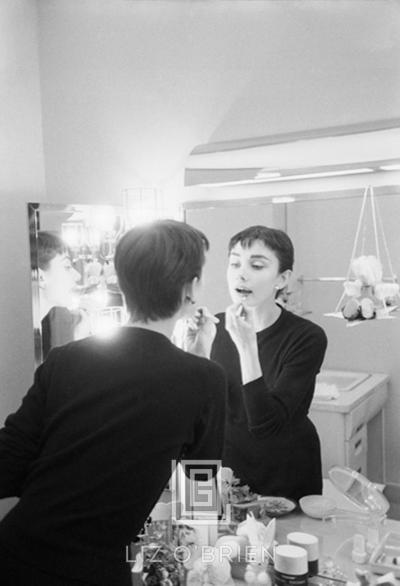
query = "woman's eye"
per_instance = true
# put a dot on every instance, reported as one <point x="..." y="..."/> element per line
<point x="236" y="265"/>
<point x="257" y="267"/>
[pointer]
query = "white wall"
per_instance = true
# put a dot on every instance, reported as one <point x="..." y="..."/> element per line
<point x="21" y="180"/>
<point x="316" y="64"/>
<point x="130" y="87"/>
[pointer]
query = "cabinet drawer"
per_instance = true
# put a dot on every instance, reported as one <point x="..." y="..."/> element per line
<point x="356" y="451"/>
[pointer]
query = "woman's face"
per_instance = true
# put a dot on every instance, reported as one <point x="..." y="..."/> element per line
<point x="59" y="281"/>
<point x="253" y="274"/>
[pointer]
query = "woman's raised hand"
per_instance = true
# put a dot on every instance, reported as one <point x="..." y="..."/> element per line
<point x="196" y="334"/>
<point x="239" y="322"/>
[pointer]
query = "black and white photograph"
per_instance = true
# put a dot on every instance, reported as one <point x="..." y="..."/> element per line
<point x="200" y="300"/>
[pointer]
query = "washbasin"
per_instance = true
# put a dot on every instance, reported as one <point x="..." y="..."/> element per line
<point x="341" y="379"/>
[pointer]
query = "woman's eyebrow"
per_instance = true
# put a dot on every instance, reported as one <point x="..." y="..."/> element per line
<point x="260" y="256"/>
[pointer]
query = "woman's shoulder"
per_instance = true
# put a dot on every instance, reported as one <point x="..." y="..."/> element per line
<point x="198" y="364"/>
<point x="204" y="373"/>
<point x="303" y="325"/>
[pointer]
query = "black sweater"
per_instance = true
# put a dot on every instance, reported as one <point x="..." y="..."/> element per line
<point x="90" y="449"/>
<point x="270" y="443"/>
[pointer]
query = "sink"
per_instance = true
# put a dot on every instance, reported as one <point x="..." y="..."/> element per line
<point x="342" y="380"/>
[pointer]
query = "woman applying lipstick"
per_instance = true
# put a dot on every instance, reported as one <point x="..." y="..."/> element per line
<point x="271" y="357"/>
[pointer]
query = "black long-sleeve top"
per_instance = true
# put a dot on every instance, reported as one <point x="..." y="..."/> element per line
<point x="270" y="443"/>
<point x="90" y="449"/>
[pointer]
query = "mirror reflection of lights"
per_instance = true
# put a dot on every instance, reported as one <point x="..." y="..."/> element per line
<point x="394" y="167"/>
<point x="105" y="323"/>
<point x="93" y="237"/>
<point x="75" y="302"/>
<point x="101" y="218"/>
<point x="146" y="204"/>
<point x="136" y="217"/>
<point x="100" y="297"/>
<point x="73" y="234"/>
<point x="105" y="327"/>
<point x="283" y="199"/>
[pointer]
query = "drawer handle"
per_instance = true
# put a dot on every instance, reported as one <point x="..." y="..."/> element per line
<point x="357" y="444"/>
<point x="359" y="428"/>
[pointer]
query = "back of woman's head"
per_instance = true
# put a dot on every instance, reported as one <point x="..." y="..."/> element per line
<point x="276" y="240"/>
<point x="154" y="262"/>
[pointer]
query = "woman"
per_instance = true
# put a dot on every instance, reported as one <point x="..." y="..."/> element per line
<point x="271" y="357"/>
<point x="91" y="447"/>
<point x="58" y="283"/>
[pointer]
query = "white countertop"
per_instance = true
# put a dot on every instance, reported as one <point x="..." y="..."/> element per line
<point x="335" y="537"/>
<point x="348" y="400"/>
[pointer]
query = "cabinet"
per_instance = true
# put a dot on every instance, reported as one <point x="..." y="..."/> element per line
<point x="351" y="428"/>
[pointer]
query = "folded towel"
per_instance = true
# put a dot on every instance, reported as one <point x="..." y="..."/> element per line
<point x="325" y="392"/>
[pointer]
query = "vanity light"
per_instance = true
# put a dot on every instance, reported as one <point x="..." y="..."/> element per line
<point x="394" y="167"/>
<point x="275" y="176"/>
<point x="101" y="218"/>
<point x="267" y="174"/>
<point x="283" y="199"/>
<point x="318" y="174"/>
<point x="230" y="183"/>
<point x="73" y="234"/>
<point x="145" y="204"/>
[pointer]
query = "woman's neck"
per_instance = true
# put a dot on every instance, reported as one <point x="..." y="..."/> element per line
<point x="162" y="326"/>
<point x="44" y="305"/>
<point x="266" y="315"/>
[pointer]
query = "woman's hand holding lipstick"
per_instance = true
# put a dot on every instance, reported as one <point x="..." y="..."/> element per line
<point x="239" y="322"/>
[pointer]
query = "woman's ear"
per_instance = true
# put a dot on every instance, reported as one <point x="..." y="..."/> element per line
<point x="41" y="279"/>
<point x="190" y="291"/>
<point x="284" y="279"/>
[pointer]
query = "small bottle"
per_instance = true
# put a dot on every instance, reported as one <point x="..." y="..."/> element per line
<point x="290" y="566"/>
<point x="359" y="553"/>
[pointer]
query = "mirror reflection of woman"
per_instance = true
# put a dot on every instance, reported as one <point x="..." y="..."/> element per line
<point x="58" y="283"/>
<point x="271" y="357"/>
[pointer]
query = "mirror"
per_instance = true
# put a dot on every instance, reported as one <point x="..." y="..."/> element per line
<point x="74" y="286"/>
<point x="322" y="224"/>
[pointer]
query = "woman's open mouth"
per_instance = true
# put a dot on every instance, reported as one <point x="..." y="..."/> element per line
<point x="243" y="292"/>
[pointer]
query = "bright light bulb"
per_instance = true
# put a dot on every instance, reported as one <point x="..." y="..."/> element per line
<point x="72" y="234"/>
<point x="394" y="167"/>
<point x="105" y="326"/>
<point x="102" y="218"/>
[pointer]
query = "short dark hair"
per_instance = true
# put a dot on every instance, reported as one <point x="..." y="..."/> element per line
<point x="48" y="245"/>
<point x="276" y="240"/>
<point x="154" y="262"/>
